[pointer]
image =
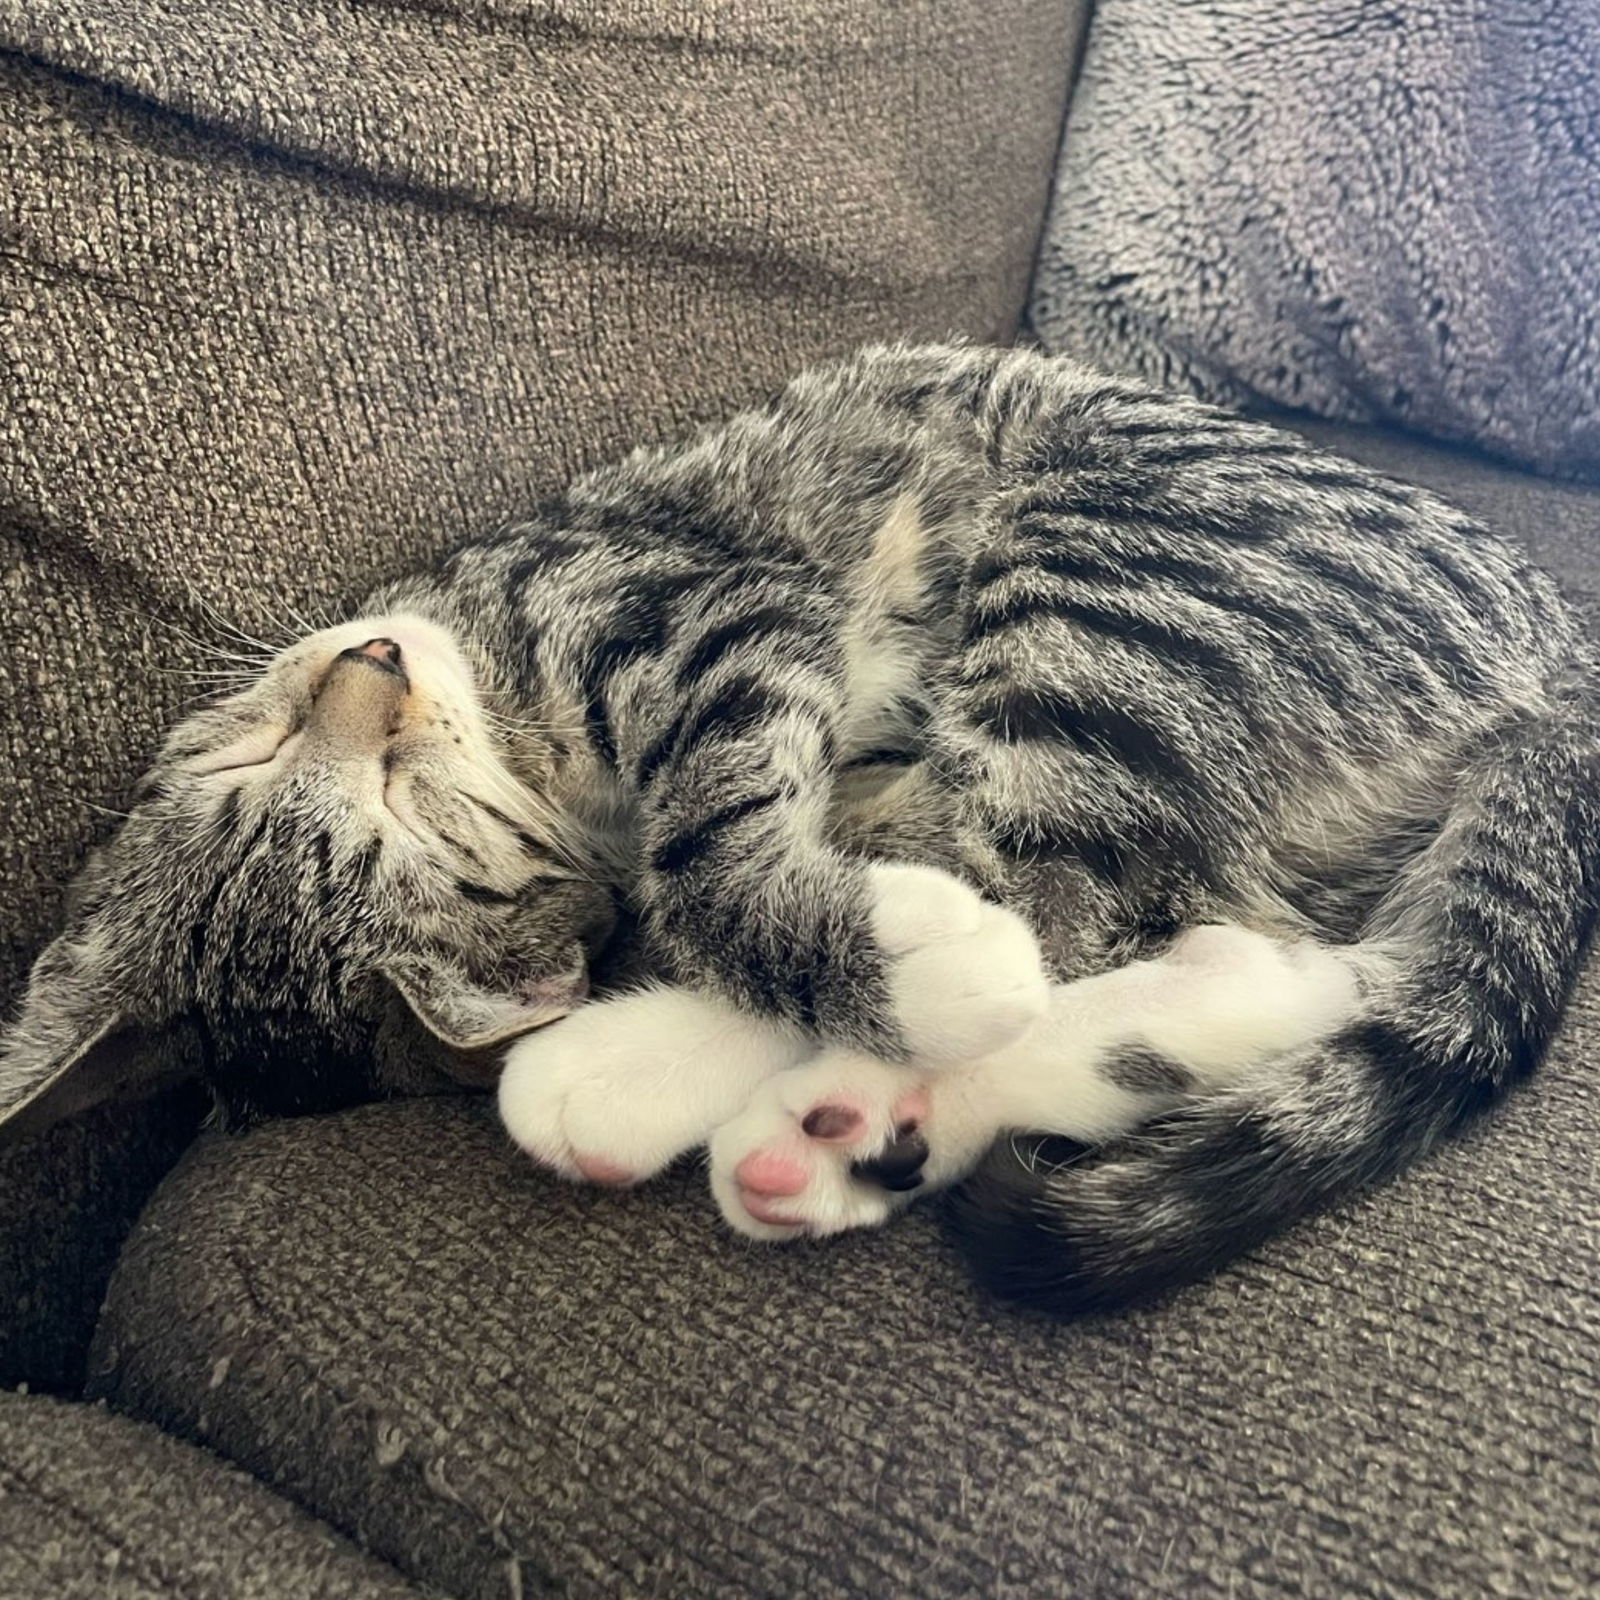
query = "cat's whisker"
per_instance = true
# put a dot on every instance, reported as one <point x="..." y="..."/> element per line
<point x="513" y="735"/>
<point x="319" y="618"/>
<point x="105" y="811"/>
<point x="1032" y="1159"/>
<point x="231" y="629"/>
<point x="224" y="689"/>
<point x="213" y="650"/>
<point x="205" y="674"/>
<point x="168" y="625"/>
<point x="570" y="874"/>
<point x="68" y="797"/>
<point x="563" y="835"/>
<point x="511" y="719"/>
<point x="542" y="730"/>
<point x="301" y="622"/>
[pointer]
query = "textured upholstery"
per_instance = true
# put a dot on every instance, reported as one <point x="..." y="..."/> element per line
<point x="95" y="1507"/>
<point x="1382" y="213"/>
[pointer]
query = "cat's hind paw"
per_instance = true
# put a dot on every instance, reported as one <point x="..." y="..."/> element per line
<point x="837" y="1144"/>
<point x="965" y="977"/>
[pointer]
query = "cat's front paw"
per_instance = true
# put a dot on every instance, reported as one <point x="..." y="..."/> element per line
<point x="839" y="1143"/>
<point x="965" y="977"/>
<point x="618" y="1090"/>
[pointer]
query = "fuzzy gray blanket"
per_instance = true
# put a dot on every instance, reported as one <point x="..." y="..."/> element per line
<point x="1378" y="212"/>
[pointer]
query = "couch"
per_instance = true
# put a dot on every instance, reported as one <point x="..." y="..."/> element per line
<point x="291" y="297"/>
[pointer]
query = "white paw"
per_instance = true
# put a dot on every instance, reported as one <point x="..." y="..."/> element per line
<point x="1224" y="947"/>
<point x="618" y="1090"/>
<point x="965" y="977"/>
<point x="787" y="1166"/>
<point x="1231" y="997"/>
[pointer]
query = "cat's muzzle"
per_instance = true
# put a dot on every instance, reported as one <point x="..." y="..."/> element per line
<point x="361" y="694"/>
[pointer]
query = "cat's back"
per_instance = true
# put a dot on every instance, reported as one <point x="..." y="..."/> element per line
<point x="1104" y="482"/>
<point x="1117" y="485"/>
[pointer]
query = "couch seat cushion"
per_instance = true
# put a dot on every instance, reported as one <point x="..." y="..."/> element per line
<point x="95" y="1507"/>
<point x="511" y="1387"/>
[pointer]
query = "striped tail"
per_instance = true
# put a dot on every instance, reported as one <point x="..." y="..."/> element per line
<point x="1490" y="923"/>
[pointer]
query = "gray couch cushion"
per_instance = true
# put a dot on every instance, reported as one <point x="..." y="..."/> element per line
<point x="501" y="1379"/>
<point x="95" y="1507"/>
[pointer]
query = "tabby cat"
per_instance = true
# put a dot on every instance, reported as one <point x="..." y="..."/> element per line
<point x="980" y="748"/>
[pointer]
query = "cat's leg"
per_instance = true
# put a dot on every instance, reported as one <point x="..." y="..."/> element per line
<point x="620" y="1088"/>
<point x="845" y="1140"/>
<point x="734" y="746"/>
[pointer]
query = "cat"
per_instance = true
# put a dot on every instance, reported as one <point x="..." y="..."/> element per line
<point x="971" y="752"/>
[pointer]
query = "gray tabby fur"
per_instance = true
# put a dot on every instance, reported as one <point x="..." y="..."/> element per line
<point x="1124" y="663"/>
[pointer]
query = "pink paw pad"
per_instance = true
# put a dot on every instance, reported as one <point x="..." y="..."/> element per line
<point x="911" y="1111"/>
<point x="598" y="1170"/>
<point x="770" y="1175"/>
<point x="767" y="1208"/>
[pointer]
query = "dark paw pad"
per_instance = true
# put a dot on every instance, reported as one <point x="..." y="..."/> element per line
<point x="898" y="1166"/>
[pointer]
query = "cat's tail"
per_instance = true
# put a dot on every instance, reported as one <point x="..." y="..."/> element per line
<point x="1488" y="923"/>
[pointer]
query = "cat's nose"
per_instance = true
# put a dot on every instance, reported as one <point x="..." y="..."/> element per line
<point x="382" y="653"/>
<point x="360" y="697"/>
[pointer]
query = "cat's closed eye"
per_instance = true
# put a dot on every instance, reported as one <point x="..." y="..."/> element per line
<point x="256" y="750"/>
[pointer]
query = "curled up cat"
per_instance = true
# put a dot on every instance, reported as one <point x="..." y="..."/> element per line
<point x="973" y="753"/>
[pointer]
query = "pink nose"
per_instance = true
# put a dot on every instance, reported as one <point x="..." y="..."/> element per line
<point x="381" y="650"/>
<point x="384" y="654"/>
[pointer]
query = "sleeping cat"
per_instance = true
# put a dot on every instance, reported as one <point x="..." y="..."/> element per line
<point x="981" y="748"/>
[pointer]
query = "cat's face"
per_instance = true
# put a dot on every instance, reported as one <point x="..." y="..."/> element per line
<point x="310" y="864"/>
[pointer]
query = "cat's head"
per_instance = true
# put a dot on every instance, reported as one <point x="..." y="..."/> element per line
<point x="334" y="871"/>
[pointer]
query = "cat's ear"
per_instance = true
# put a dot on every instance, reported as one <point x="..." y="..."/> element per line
<point x="61" y="1055"/>
<point x="469" y="1016"/>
